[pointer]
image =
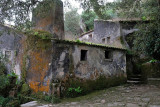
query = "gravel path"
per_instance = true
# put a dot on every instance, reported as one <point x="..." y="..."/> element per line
<point x="121" y="96"/>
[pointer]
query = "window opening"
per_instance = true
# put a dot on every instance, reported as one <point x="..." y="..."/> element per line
<point x="103" y="40"/>
<point x="107" y="54"/>
<point x="83" y="55"/>
<point x="108" y="39"/>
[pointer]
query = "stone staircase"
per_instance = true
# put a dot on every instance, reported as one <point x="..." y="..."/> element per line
<point x="134" y="79"/>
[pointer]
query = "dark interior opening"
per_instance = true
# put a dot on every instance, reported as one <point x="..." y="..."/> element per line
<point x="107" y="54"/>
<point x="108" y="39"/>
<point x="90" y="36"/>
<point x="83" y="55"/>
<point x="103" y="40"/>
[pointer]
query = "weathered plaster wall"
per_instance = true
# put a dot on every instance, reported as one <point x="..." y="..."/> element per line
<point x="86" y="37"/>
<point x="66" y="63"/>
<point x="67" y="60"/>
<point x="107" y="29"/>
<point x="9" y="48"/>
<point x="50" y="19"/>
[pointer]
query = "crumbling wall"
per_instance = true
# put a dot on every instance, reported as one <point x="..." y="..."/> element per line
<point x="35" y="58"/>
<point x="67" y="65"/>
<point x="9" y="48"/>
<point x="67" y="59"/>
<point x="50" y="18"/>
<point x="107" y="30"/>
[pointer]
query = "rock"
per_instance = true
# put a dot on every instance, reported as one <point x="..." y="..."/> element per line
<point x="74" y="103"/>
<point x="146" y="99"/>
<point x="132" y="105"/>
<point x="30" y="104"/>
<point x="143" y="104"/>
<point x="103" y="101"/>
<point x="154" y="105"/>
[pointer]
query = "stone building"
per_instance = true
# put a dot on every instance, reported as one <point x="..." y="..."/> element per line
<point x="47" y="64"/>
<point x="111" y="32"/>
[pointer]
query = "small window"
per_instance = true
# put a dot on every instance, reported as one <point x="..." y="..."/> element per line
<point x="90" y="36"/>
<point x="104" y="40"/>
<point x="8" y="54"/>
<point x="108" y="39"/>
<point x="107" y="54"/>
<point x="83" y="55"/>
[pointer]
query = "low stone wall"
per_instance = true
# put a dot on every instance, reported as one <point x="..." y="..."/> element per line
<point x="151" y="70"/>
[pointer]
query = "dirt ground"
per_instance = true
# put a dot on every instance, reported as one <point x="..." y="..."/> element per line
<point x="120" y="96"/>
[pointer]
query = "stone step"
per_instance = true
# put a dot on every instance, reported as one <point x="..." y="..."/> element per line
<point x="133" y="82"/>
<point x="136" y="79"/>
<point x="138" y="75"/>
<point x="153" y="79"/>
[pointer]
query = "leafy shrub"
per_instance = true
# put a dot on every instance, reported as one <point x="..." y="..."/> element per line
<point x="24" y="99"/>
<point x="40" y="96"/>
<point x="5" y="83"/>
<point x="73" y="92"/>
<point x="153" y="61"/>
<point x="25" y="89"/>
<point x="13" y="103"/>
<point x="55" y="100"/>
<point x="2" y="99"/>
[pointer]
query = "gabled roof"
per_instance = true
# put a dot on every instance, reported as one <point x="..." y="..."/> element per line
<point x="86" y="33"/>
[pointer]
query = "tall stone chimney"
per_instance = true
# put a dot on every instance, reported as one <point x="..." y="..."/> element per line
<point x="48" y="16"/>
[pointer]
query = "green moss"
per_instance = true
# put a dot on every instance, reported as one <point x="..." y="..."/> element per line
<point x="87" y="43"/>
<point x="39" y="34"/>
<point x="25" y="90"/>
<point x="37" y="39"/>
<point x="88" y="86"/>
<point x="24" y="69"/>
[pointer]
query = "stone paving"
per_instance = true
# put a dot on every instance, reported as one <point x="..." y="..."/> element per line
<point x="121" y="96"/>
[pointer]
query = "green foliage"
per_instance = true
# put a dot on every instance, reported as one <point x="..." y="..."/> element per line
<point x="25" y="89"/>
<point x="2" y="66"/>
<point x="73" y="92"/>
<point x="44" y="8"/>
<point x="5" y="83"/>
<point x="153" y="61"/>
<point x="71" y="22"/>
<point x="88" y="19"/>
<point x="55" y="100"/>
<point x="2" y="99"/>
<point x="48" y="98"/>
<point x="13" y="103"/>
<point x="147" y="40"/>
<point x="24" y="99"/>
<point x="130" y="52"/>
<point x="12" y="74"/>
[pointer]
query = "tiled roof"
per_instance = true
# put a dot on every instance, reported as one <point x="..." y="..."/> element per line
<point x="89" y="44"/>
